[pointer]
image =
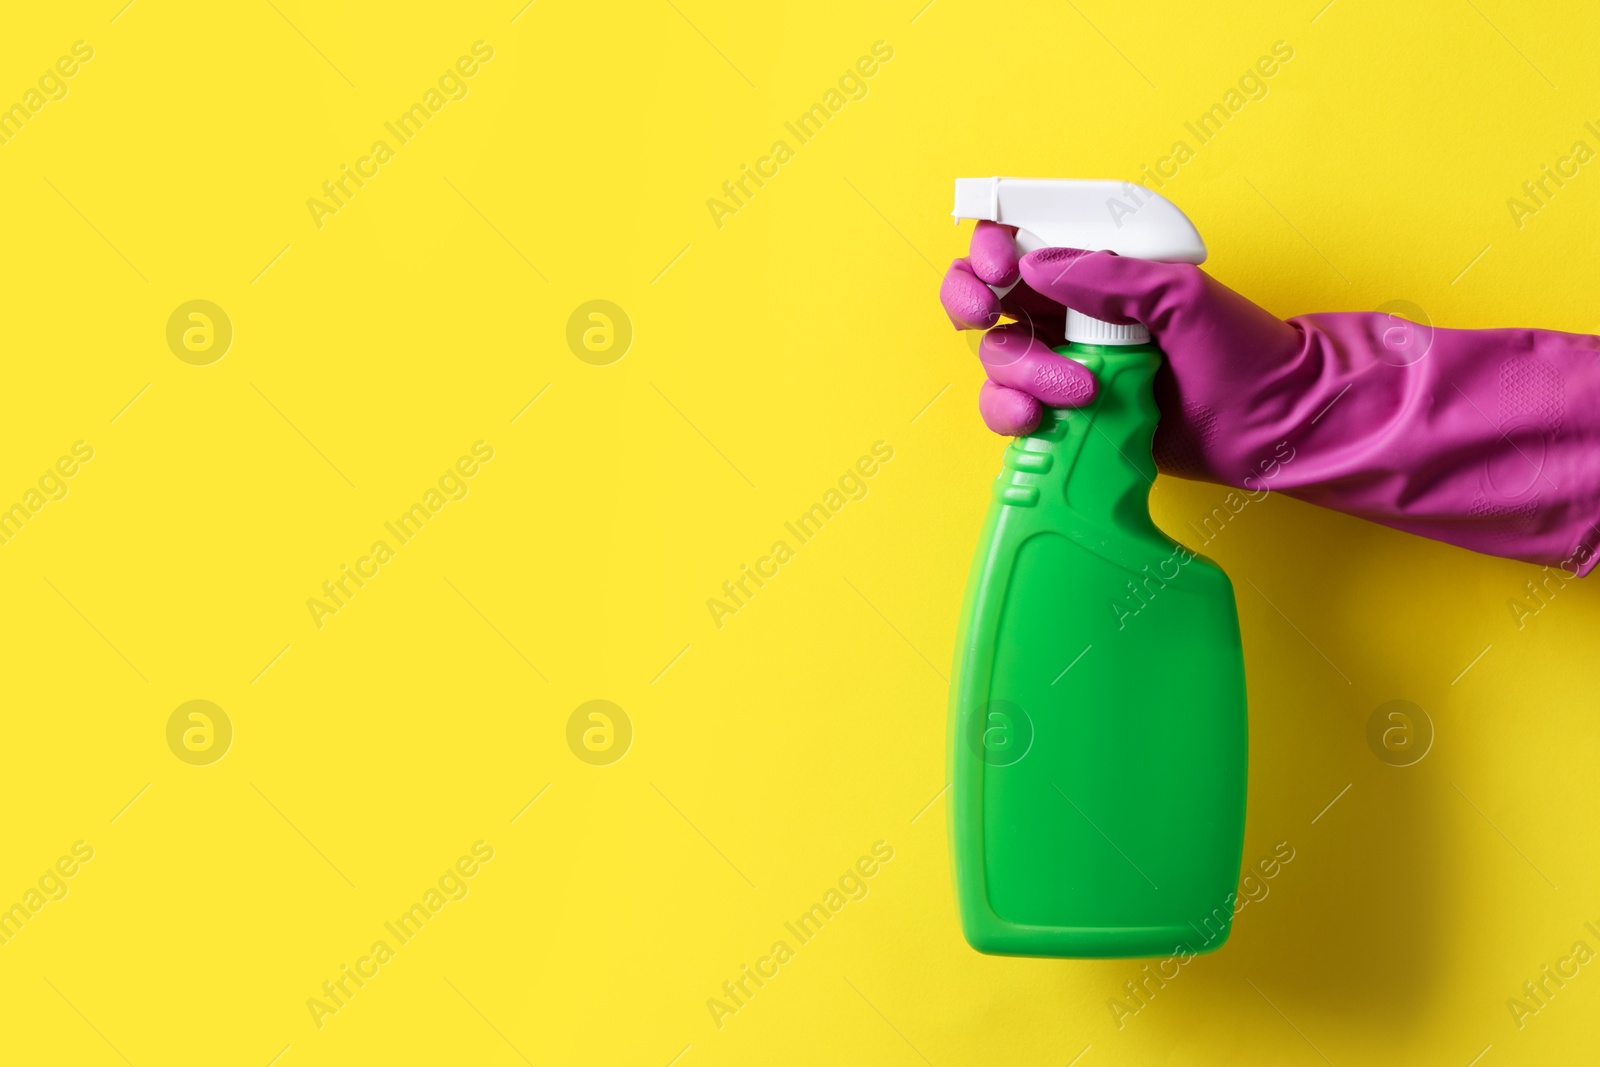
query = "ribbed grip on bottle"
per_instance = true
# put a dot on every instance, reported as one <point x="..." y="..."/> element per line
<point x="1081" y="329"/>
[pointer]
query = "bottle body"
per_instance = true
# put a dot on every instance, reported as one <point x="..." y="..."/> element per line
<point x="1098" y="737"/>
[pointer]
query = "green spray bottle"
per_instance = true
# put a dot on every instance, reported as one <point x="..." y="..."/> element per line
<point x="1098" y="740"/>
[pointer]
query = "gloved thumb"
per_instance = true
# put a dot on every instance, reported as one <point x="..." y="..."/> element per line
<point x="1214" y="337"/>
<point x="1114" y="288"/>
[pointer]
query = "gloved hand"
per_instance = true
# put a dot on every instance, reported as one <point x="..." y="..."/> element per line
<point x="1487" y="439"/>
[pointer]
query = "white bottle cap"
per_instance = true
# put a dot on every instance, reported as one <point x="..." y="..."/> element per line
<point x="1081" y="329"/>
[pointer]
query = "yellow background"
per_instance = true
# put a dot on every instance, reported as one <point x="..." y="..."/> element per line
<point x="768" y="354"/>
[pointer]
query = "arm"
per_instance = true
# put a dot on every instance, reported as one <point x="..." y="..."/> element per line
<point x="1486" y="439"/>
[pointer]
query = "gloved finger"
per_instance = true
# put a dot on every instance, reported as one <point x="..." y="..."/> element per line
<point x="1016" y="357"/>
<point x="992" y="261"/>
<point x="1008" y="411"/>
<point x="973" y="305"/>
<point x="970" y="303"/>
<point x="994" y="257"/>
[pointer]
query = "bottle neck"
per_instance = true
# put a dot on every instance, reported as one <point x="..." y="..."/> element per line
<point x="1082" y="329"/>
<point x="1112" y="469"/>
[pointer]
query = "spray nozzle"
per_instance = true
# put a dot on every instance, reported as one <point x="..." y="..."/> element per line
<point x="1119" y="217"/>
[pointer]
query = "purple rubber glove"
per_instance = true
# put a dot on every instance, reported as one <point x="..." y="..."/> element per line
<point x="1018" y="357"/>
<point x="1486" y="439"/>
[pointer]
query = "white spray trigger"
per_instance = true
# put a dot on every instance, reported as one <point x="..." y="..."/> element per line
<point x="1119" y="217"/>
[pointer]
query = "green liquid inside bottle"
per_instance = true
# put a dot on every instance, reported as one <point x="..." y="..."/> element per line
<point x="1098" y="738"/>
